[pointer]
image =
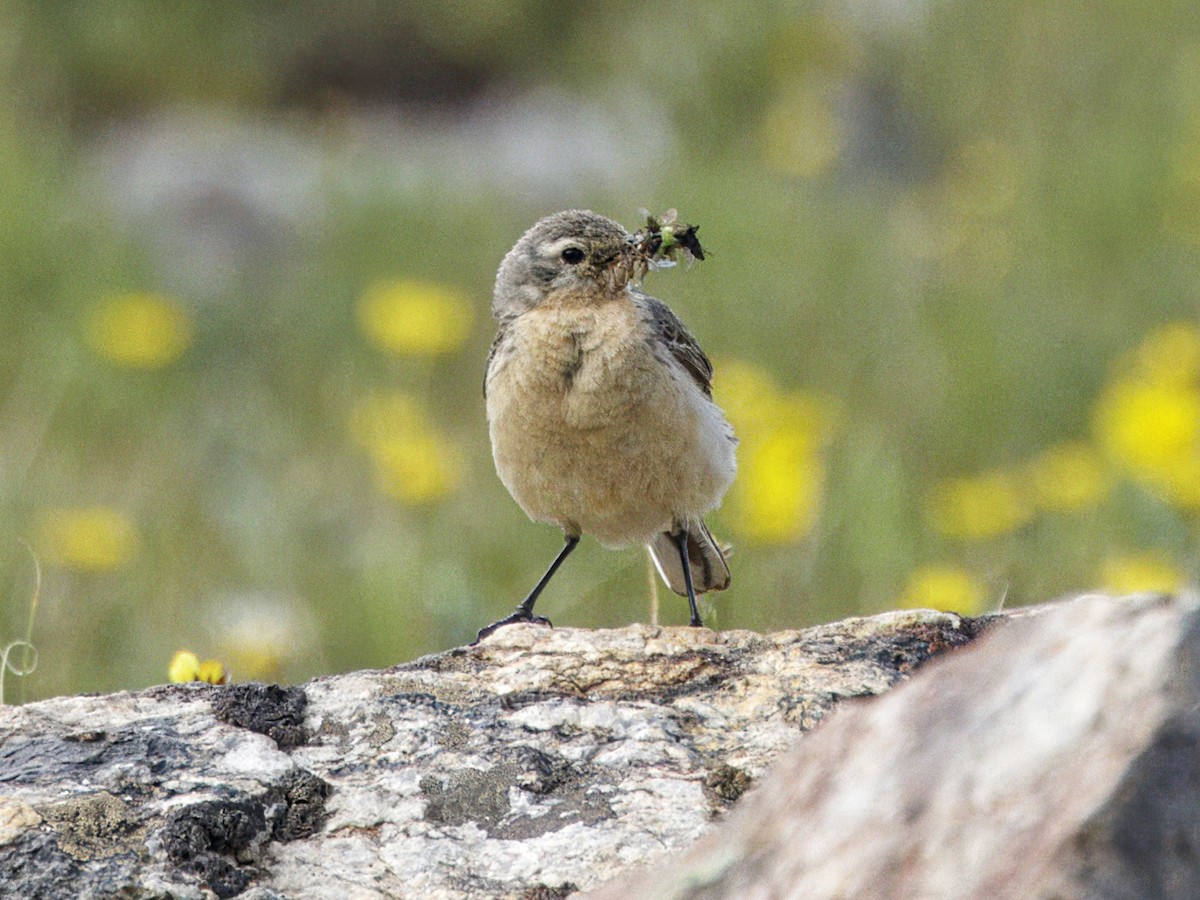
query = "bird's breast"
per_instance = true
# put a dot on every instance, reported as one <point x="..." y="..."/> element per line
<point x="572" y="367"/>
<point x="591" y="431"/>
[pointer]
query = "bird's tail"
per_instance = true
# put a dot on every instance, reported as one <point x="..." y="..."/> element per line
<point x="710" y="572"/>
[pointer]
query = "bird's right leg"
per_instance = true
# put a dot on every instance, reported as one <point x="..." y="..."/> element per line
<point x="681" y="541"/>
<point x="524" y="612"/>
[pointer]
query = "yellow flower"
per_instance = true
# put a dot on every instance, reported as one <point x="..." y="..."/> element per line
<point x="1148" y="419"/>
<point x="1148" y="427"/>
<point x="1180" y="486"/>
<point x="1140" y="573"/>
<point x="420" y="468"/>
<point x="186" y="666"/>
<point x="414" y="317"/>
<point x="777" y="495"/>
<point x="778" y="489"/>
<point x="1068" y="477"/>
<point x="945" y="587"/>
<point x="139" y="330"/>
<point x="1168" y="355"/>
<point x="745" y="392"/>
<point x="981" y="506"/>
<point x="89" y="539"/>
<point x="756" y="404"/>
<point x="212" y="672"/>
<point x="414" y="462"/>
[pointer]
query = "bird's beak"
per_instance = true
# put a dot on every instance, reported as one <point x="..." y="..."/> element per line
<point x="623" y="265"/>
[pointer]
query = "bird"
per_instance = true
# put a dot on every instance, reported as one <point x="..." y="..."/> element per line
<point x="600" y="409"/>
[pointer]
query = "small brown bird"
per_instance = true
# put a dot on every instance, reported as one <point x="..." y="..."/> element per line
<point x="599" y="406"/>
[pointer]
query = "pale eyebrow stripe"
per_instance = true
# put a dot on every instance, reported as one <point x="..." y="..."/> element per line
<point x="556" y="247"/>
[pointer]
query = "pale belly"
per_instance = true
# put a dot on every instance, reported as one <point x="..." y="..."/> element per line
<point x="620" y="450"/>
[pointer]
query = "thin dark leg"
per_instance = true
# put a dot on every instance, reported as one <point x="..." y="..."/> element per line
<point x="681" y="537"/>
<point x="524" y="612"/>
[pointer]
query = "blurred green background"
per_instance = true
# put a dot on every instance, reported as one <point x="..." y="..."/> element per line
<point x="247" y="251"/>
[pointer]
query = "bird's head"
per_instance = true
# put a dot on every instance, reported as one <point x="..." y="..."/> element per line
<point x="575" y="250"/>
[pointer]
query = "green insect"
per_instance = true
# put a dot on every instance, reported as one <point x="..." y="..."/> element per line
<point x="657" y="244"/>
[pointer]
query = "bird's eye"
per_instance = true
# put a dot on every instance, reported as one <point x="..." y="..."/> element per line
<point x="572" y="255"/>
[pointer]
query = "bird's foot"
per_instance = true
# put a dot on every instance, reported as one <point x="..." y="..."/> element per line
<point x="516" y="618"/>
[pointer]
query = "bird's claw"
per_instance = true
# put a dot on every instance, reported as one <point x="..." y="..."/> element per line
<point x="515" y="619"/>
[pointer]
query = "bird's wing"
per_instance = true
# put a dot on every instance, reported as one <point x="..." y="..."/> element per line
<point x="673" y="336"/>
<point x="497" y="346"/>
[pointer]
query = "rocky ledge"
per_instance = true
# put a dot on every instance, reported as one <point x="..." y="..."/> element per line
<point x="1057" y="756"/>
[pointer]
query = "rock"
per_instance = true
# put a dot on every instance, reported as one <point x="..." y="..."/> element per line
<point x="534" y="765"/>
<point x="1058" y="757"/>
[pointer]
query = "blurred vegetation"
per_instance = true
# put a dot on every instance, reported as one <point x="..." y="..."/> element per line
<point x="246" y="259"/>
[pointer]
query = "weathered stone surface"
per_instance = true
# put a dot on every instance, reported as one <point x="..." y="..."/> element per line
<point x="1057" y="758"/>
<point x="538" y="763"/>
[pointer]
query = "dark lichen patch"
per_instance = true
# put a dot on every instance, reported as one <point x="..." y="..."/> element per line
<point x="216" y="840"/>
<point x="726" y="783"/>
<point x="227" y="826"/>
<point x="917" y="647"/>
<point x="910" y="647"/>
<point x="541" y="773"/>
<point x="93" y="825"/>
<point x="270" y="709"/>
<point x="220" y="841"/>
<point x="304" y="796"/>
<point x="334" y="731"/>
<point x="546" y="892"/>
